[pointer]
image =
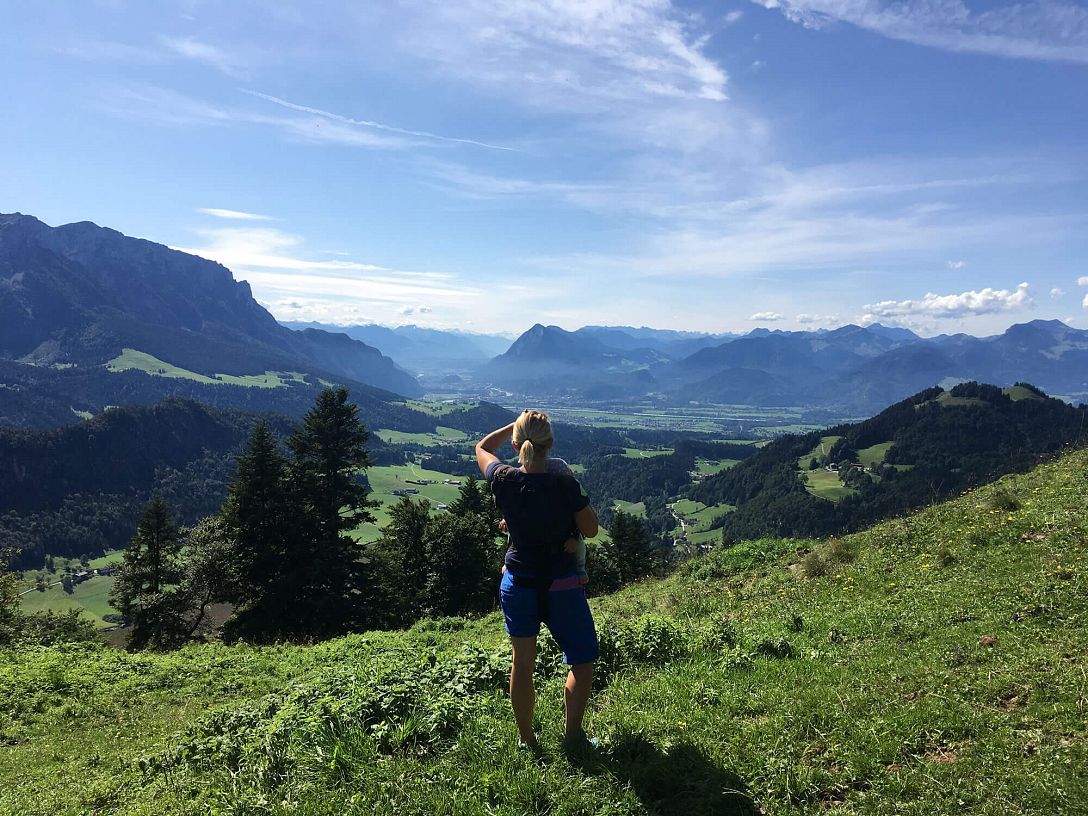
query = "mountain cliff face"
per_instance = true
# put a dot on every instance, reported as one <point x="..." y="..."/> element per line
<point x="81" y="293"/>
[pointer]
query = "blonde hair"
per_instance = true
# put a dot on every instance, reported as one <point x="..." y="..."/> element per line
<point x="532" y="436"/>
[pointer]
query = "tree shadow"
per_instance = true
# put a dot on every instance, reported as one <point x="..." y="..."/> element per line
<point x="680" y="781"/>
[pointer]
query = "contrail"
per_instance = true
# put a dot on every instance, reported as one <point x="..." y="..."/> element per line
<point x="366" y="123"/>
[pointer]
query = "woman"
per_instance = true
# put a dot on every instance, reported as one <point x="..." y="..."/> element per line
<point x="542" y="511"/>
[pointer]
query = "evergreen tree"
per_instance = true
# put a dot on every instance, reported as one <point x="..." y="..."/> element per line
<point x="145" y="592"/>
<point x="400" y="564"/>
<point x="634" y="553"/>
<point x="462" y="562"/>
<point x="474" y="500"/>
<point x="262" y="529"/>
<point x="328" y="458"/>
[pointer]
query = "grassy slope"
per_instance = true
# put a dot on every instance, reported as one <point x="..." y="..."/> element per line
<point x="738" y="685"/>
<point x="131" y="359"/>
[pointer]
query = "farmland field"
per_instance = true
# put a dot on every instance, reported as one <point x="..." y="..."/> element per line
<point x="90" y="598"/>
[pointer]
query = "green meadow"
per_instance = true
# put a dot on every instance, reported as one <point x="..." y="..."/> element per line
<point x="934" y="664"/>
<point x="133" y="360"/>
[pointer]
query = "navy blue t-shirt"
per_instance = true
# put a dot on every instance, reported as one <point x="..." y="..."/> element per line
<point x="539" y="510"/>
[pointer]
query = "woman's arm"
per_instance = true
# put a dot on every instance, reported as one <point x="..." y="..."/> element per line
<point x="586" y="519"/>
<point x="486" y="447"/>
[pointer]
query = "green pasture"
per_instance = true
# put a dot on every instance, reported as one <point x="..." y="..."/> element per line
<point x="442" y="435"/>
<point x="90" y="598"/>
<point x="384" y="480"/>
<point x="634" y="508"/>
<point x="711" y="467"/>
<point x="826" y="485"/>
<point x="875" y="454"/>
<point x="133" y="360"/>
<point x="640" y="453"/>
<point x="438" y="408"/>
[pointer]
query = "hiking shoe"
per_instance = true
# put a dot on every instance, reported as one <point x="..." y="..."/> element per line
<point x="530" y="747"/>
<point x="580" y="743"/>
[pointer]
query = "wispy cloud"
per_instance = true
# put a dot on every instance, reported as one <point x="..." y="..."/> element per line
<point x="164" y="106"/>
<point x="233" y="215"/>
<point x="808" y="319"/>
<point x="1050" y="30"/>
<point x="366" y="123"/>
<point x="297" y="286"/>
<point x="943" y="307"/>
<point x="222" y="60"/>
<point x="1057" y="293"/>
<point x="1082" y="281"/>
<point x="767" y="317"/>
<point x="633" y="49"/>
<point x="956" y="264"/>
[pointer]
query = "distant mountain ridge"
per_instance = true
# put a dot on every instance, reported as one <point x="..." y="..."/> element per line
<point x="418" y="348"/>
<point x="851" y="368"/>
<point x="80" y="293"/>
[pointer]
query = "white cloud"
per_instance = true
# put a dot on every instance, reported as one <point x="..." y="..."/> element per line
<point x="192" y="49"/>
<point x="632" y="49"/>
<point x="733" y="16"/>
<point x="342" y="291"/>
<point x="1057" y="293"/>
<point x="366" y="123"/>
<point x="235" y="215"/>
<point x="806" y="319"/>
<point x="1052" y="30"/>
<point x="956" y="264"/>
<point x="149" y="103"/>
<point x="1082" y="281"/>
<point x="767" y="317"/>
<point x="1084" y="302"/>
<point x="941" y="307"/>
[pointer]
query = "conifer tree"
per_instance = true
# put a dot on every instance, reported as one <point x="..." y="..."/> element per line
<point x="474" y="499"/>
<point x="145" y="592"/>
<point x="262" y="528"/>
<point x="462" y="562"/>
<point x="400" y="564"/>
<point x="634" y="553"/>
<point x="328" y="457"/>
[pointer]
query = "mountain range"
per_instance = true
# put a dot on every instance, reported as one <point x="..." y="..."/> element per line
<point x="851" y="368"/>
<point x="419" y="349"/>
<point x="81" y="294"/>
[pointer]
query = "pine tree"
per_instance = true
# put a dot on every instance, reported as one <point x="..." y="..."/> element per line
<point x="634" y="552"/>
<point x="401" y="564"/>
<point x="462" y="563"/>
<point x="474" y="500"/>
<point x="328" y="458"/>
<point x="262" y="529"/>
<point x="145" y="592"/>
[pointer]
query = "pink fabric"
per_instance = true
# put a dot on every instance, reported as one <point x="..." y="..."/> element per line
<point x="561" y="584"/>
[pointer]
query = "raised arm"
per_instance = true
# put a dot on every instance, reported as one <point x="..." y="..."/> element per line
<point x="586" y="519"/>
<point x="486" y="447"/>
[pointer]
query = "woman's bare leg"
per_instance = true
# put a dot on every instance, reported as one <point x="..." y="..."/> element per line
<point x="576" y="697"/>
<point x="522" y="692"/>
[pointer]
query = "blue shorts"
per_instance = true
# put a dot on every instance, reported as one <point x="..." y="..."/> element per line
<point x="569" y="619"/>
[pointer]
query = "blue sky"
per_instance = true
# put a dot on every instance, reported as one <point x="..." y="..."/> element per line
<point x="486" y="165"/>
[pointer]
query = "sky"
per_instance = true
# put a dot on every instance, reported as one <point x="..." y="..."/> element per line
<point x="709" y="166"/>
